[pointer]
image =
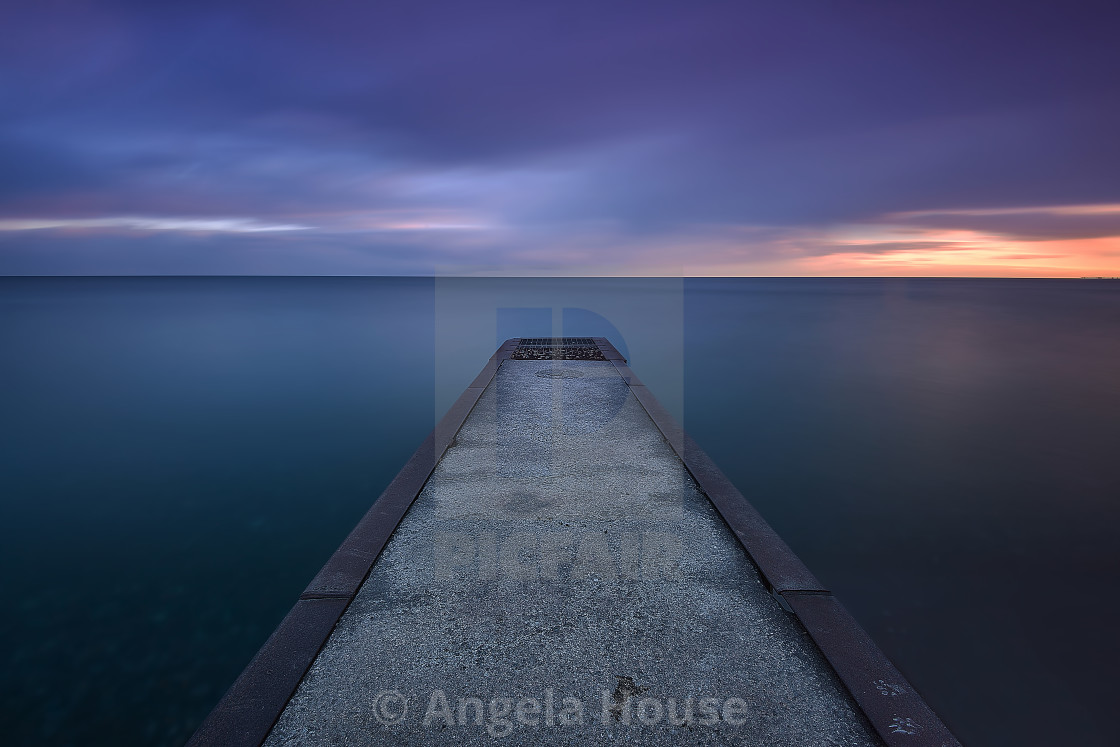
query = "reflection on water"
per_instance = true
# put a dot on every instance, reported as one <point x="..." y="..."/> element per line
<point x="179" y="456"/>
<point x="942" y="454"/>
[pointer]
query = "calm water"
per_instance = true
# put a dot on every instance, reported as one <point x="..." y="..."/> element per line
<point x="179" y="456"/>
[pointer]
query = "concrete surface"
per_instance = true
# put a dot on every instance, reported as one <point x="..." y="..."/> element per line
<point x="561" y="580"/>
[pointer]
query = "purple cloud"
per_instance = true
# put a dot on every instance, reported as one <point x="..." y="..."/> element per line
<point x="507" y="133"/>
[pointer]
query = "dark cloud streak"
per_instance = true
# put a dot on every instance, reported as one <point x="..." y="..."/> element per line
<point x="648" y="118"/>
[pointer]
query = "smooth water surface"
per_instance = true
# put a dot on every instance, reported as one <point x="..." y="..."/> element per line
<point x="942" y="454"/>
<point x="178" y="457"/>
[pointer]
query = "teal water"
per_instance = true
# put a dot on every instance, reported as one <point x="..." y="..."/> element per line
<point x="179" y="456"/>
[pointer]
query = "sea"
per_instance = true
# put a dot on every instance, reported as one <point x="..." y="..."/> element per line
<point x="180" y="455"/>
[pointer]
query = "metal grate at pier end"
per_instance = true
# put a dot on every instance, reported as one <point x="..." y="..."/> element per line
<point x="557" y="349"/>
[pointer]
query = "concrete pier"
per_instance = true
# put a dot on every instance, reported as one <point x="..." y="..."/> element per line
<point x="569" y="569"/>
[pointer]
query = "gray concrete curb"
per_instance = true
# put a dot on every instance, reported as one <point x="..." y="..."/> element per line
<point x="251" y="706"/>
<point x="897" y="712"/>
<point x="249" y="709"/>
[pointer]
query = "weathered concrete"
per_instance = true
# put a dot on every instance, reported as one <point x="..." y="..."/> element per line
<point x="561" y="550"/>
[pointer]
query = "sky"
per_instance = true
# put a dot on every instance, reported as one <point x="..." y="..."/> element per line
<point x="560" y="138"/>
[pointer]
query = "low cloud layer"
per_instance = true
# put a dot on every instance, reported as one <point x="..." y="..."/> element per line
<point x="419" y="138"/>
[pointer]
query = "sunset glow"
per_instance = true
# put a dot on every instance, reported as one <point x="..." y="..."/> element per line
<point x="971" y="255"/>
<point x="532" y="140"/>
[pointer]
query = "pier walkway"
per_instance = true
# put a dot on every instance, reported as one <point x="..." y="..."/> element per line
<point x="569" y="569"/>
